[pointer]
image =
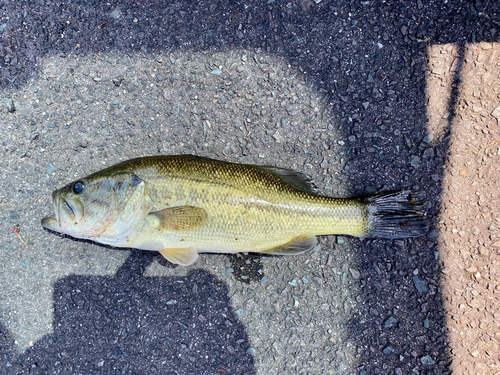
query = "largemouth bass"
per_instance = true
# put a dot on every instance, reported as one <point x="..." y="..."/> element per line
<point x="185" y="205"/>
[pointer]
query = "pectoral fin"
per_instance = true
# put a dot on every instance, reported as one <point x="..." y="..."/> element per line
<point x="181" y="218"/>
<point x="183" y="257"/>
<point x="296" y="245"/>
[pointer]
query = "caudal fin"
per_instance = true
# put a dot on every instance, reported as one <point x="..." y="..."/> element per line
<point x="396" y="215"/>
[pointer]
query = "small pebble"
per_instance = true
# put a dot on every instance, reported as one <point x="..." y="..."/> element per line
<point x="420" y="285"/>
<point x="390" y="322"/>
<point x="216" y="72"/>
<point x="263" y="281"/>
<point x="11" y="107"/>
<point x="240" y="312"/>
<point x="496" y="113"/>
<point x="428" y="138"/>
<point x="415" y="161"/>
<point x="117" y="13"/>
<point x="388" y="350"/>
<point x="427" y="360"/>
<point x="50" y="168"/>
<point x="428" y="153"/>
<point x="355" y="273"/>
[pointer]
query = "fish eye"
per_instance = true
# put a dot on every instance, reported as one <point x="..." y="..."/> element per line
<point x="78" y="187"/>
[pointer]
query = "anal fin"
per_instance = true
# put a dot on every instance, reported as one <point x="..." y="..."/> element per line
<point x="296" y="245"/>
<point x="182" y="256"/>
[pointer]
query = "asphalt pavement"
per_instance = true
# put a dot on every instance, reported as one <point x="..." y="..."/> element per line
<point x="332" y="89"/>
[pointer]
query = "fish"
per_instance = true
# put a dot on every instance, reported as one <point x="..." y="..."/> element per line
<point x="183" y="205"/>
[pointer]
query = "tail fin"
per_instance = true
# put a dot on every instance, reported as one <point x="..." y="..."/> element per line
<point x="396" y="215"/>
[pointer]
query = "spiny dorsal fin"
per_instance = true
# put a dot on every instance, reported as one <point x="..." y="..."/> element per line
<point x="183" y="256"/>
<point x="181" y="218"/>
<point x="296" y="245"/>
<point x="298" y="180"/>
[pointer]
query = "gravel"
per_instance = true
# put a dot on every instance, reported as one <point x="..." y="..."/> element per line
<point x="427" y="360"/>
<point x="420" y="285"/>
<point x="390" y="322"/>
<point x="388" y="350"/>
<point x="11" y="107"/>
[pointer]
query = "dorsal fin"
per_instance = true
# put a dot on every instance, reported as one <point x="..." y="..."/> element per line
<point x="297" y="180"/>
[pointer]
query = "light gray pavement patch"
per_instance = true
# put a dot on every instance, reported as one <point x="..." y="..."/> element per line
<point x="80" y="114"/>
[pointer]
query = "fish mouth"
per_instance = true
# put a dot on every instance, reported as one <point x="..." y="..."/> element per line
<point x="66" y="213"/>
<point x="51" y="223"/>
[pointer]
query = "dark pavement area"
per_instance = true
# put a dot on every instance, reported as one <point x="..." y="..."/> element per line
<point x="104" y="325"/>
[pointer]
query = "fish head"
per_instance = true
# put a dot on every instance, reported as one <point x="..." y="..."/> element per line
<point x="107" y="205"/>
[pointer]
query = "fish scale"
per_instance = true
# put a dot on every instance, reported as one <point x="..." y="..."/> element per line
<point x="183" y="205"/>
<point x="257" y="208"/>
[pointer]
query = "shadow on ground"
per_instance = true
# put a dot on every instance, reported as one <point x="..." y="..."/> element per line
<point x="369" y="60"/>
<point x="129" y="323"/>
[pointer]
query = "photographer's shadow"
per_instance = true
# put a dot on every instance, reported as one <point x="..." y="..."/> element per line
<point x="129" y="323"/>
